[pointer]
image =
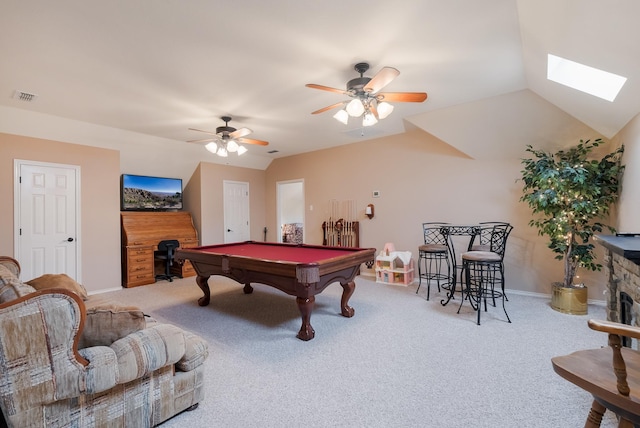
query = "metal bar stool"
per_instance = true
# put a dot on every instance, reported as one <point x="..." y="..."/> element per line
<point x="484" y="237"/>
<point x="432" y="256"/>
<point x="483" y="269"/>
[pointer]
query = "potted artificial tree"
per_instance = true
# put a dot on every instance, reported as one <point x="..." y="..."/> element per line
<point x="568" y="193"/>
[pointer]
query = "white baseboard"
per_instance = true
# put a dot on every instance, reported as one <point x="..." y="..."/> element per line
<point x="512" y="291"/>
<point x="106" y="290"/>
<point x="548" y="296"/>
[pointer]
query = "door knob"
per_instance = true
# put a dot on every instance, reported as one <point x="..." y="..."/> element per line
<point x="70" y="239"/>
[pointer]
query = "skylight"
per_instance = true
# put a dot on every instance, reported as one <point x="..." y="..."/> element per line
<point x="587" y="79"/>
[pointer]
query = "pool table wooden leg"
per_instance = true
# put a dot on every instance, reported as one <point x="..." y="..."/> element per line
<point x="204" y="286"/>
<point x="305" y="305"/>
<point x="348" y="289"/>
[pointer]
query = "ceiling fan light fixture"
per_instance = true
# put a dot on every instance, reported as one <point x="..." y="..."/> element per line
<point x="369" y="119"/>
<point x="342" y="116"/>
<point x="366" y="97"/>
<point x="355" y="107"/>
<point x="232" y="146"/>
<point x="227" y="139"/>
<point x="384" y="109"/>
<point x="212" y="147"/>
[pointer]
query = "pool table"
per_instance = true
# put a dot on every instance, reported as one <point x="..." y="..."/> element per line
<point x="297" y="269"/>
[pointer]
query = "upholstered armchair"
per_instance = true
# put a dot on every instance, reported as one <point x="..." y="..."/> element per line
<point x="138" y="380"/>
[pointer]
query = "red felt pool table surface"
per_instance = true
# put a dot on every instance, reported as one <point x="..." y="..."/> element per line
<point x="280" y="253"/>
<point x="299" y="270"/>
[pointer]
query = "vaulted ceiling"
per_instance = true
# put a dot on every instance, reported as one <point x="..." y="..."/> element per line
<point x="161" y="67"/>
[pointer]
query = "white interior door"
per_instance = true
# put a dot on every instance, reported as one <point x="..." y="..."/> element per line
<point x="46" y="217"/>
<point x="236" y="211"/>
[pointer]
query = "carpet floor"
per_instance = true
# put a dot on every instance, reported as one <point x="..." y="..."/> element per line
<point x="401" y="361"/>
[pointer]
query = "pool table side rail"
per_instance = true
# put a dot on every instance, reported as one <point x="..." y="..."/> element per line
<point x="220" y="248"/>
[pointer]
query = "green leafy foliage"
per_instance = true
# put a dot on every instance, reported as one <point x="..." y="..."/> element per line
<point x="569" y="193"/>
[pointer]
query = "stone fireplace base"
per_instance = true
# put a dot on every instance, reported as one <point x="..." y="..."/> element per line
<point x="622" y="262"/>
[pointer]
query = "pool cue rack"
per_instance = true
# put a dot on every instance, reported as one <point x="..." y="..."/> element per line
<point x="341" y="233"/>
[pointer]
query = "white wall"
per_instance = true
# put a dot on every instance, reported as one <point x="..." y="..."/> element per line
<point x="629" y="206"/>
<point x="291" y="197"/>
<point x="422" y="179"/>
<point x="139" y="153"/>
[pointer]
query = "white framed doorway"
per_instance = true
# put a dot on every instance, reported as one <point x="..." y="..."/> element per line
<point x="47" y="218"/>
<point x="290" y="206"/>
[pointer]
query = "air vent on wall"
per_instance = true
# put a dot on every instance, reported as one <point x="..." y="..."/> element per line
<point x="24" y="96"/>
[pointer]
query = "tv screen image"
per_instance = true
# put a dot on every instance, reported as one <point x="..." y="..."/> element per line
<point x="144" y="193"/>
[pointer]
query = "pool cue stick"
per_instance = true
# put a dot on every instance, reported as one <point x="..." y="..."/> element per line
<point x="352" y="234"/>
<point x="324" y="233"/>
<point x="348" y="235"/>
<point x="333" y="233"/>
<point x="345" y="234"/>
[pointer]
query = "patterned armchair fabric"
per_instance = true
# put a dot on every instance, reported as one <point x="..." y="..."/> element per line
<point x="140" y="380"/>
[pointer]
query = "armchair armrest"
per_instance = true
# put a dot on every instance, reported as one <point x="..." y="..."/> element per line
<point x="615" y="331"/>
<point x="147" y="350"/>
<point x="11" y="264"/>
<point x="611" y="374"/>
<point x="101" y="373"/>
<point x="51" y="320"/>
<point x="140" y="353"/>
<point x="614" y="328"/>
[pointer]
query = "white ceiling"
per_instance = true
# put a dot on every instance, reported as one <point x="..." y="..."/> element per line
<point x="160" y="67"/>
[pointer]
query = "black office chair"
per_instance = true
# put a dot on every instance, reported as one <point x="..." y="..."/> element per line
<point x="165" y="252"/>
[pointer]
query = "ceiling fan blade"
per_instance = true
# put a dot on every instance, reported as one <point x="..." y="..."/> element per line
<point x="239" y="133"/>
<point x="325" y="88"/>
<point x="204" y="140"/>
<point x="374" y="110"/>
<point x="381" y="79"/>
<point x="200" y="130"/>
<point x="251" y="141"/>
<point x="403" y="97"/>
<point x="322" y="110"/>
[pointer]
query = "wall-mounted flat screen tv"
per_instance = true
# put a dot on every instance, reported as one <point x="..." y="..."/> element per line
<point x="144" y="193"/>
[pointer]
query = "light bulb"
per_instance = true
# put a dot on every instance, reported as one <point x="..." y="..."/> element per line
<point x="212" y="147"/>
<point x="342" y="116"/>
<point x="222" y="152"/>
<point x="232" y="146"/>
<point x="384" y="109"/>
<point x="355" y="107"/>
<point x="369" y="119"/>
<point x="242" y="150"/>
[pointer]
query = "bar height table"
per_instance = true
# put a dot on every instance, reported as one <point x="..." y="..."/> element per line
<point x="451" y="230"/>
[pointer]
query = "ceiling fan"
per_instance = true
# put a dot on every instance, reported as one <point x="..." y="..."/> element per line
<point x="227" y="139"/>
<point x="367" y="100"/>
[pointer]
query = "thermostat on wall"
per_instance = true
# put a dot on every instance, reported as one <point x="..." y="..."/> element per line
<point x="376" y="193"/>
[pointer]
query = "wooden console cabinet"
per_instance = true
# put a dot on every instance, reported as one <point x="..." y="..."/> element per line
<point x="141" y="232"/>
